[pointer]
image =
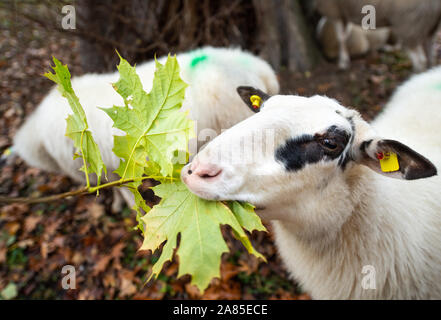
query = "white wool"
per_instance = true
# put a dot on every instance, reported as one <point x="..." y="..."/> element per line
<point x="395" y="225"/>
<point x="415" y="108"/>
<point x="331" y="224"/>
<point x="212" y="74"/>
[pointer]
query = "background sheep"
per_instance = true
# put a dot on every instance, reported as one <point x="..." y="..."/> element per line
<point x="336" y="214"/>
<point x="212" y="75"/>
<point x="412" y="22"/>
<point x="358" y="43"/>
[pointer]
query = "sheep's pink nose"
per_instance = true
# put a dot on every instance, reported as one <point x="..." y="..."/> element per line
<point x="204" y="170"/>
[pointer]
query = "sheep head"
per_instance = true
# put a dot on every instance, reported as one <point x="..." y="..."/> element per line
<point x="297" y="150"/>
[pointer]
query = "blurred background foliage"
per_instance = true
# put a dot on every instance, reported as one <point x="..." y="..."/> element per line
<point x="138" y="29"/>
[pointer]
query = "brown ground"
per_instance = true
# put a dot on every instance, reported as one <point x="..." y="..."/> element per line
<point x="36" y="241"/>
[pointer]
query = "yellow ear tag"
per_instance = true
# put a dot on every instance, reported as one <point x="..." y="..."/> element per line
<point x="7" y="152"/>
<point x="256" y="101"/>
<point x="389" y="163"/>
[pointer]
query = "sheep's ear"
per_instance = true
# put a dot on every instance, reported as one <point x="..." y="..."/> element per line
<point x="249" y="94"/>
<point x="394" y="159"/>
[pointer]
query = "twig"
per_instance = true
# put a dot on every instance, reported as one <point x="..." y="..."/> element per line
<point x="54" y="197"/>
<point x="78" y="192"/>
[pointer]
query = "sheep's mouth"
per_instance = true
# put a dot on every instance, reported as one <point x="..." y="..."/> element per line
<point x="210" y="176"/>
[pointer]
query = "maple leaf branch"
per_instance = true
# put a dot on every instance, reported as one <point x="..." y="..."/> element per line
<point x="55" y="197"/>
<point x="77" y="192"/>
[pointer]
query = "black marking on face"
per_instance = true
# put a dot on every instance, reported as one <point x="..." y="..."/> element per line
<point x="344" y="160"/>
<point x="295" y="153"/>
<point x="346" y="157"/>
<point x="365" y="144"/>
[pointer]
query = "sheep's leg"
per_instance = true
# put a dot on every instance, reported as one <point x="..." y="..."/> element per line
<point x="430" y="51"/>
<point x="127" y="195"/>
<point x="418" y="58"/>
<point x="118" y="202"/>
<point x="391" y="47"/>
<point x="343" y="33"/>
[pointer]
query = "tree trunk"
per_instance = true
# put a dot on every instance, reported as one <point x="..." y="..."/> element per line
<point x="284" y="35"/>
<point x="92" y="56"/>
<point x="269" y="31"/>
<point x="139" y="29"/>
<point x="301" y="52"/>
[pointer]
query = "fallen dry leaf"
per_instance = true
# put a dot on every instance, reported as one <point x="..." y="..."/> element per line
<point x="12" y="227"/>
<point x="95" y="210"/>
<point x="3" y="255"/>
<point x="127" y="287"/>
<point x="101" y="265"/>
<point x="192" y="291"/>
<point x="31" y="222"/>
<point x="52" y="227"/>
<point x="25" y="243"/>
<point x="44" y="249"/>
<point x="228" y="271"/>
<point x="109" y="280"/>
<point x="324" y="87"/>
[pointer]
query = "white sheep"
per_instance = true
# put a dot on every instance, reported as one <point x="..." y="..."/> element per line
<point x="345" y="228"/>
<point x="212" y="75"/>
<point x="413" y="22"/>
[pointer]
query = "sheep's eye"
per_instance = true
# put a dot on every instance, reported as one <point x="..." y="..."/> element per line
<point x="329" y="144"/>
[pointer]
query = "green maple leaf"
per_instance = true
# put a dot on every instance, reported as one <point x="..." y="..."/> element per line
<point x="77" y="127"/>
<point x="198" y="222"/>
<point x="154" y="125"/>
